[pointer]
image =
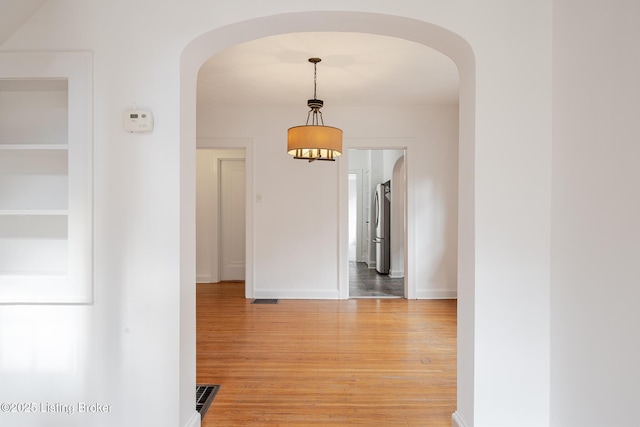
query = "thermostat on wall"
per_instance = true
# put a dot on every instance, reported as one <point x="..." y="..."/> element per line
<point x="138" y="121"/>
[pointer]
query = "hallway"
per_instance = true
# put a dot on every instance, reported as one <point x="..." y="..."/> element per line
<point x="387" y="362"/>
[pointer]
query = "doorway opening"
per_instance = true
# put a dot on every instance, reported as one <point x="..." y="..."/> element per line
<point x="220" y="215"/>
<point x="377" y="212"/>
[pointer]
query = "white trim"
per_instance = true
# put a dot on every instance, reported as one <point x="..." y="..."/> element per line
<point x="204" y="279"/>
<point x="360" y="219"/>
<point x="457" y="421"/>
<point x="366" y="143"/>
<point x="396" y="274"/>
<point x="289" y="294"/>
<point x="247" y="144"/>
<point x="444" y="294"/>
<point x="194" y="421"/>
<point x="409" y="218"/>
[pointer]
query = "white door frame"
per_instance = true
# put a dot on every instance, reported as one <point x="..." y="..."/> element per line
<point x="245" y="144"/>
<point x="343" y="211"/>
<point x="360" y="212"/>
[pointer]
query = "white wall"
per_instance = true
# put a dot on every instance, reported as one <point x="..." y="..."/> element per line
<point x="389" y="158"/>
<point x="376" y="176"/>
<point x="295" y="223"/>
<point x="360" y="159"/>
<point x="595" y="215"/>
<point x="140" y="344"/>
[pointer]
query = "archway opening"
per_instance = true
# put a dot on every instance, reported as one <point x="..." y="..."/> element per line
<point x="441" y="39"/>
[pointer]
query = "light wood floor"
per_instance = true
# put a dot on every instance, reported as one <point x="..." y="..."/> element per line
<point x="367" y="362"/>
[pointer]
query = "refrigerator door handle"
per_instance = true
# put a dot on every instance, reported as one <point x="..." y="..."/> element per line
<point x="377" y="208"/>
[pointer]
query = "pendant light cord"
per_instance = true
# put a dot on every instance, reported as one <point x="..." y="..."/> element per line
<point x="315" y="104"/>
<point x="315" y="79"/>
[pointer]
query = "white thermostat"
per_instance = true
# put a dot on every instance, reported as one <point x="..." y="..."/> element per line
<point x="138" y="121"/>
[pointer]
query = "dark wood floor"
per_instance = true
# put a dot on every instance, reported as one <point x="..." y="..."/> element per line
<point x="369" y="362"/>
<point x="365" y="282"/>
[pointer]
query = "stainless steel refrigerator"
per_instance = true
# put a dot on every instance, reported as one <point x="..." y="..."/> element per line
<point x="382" y="212"/>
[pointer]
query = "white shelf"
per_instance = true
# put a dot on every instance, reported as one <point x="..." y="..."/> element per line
<point x="34" y="146"/>
<point x="34" y="85"/>
<point x="34" y="212"/>
<point x="34" y="180"/>
<point x="30" y="275"/>
<point x="45" y="178"/>
<point x="27" y="279"/>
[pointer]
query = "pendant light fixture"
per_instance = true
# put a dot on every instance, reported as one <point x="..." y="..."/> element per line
<point x="314" y="140"/>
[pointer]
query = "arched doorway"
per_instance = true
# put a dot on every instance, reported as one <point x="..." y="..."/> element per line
<point x="436" y="37"/>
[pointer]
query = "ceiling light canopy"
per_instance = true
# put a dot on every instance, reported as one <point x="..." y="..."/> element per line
<point x="314" y="140"/>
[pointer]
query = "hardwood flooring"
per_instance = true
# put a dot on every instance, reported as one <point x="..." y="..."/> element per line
<point x="367" y="362"/>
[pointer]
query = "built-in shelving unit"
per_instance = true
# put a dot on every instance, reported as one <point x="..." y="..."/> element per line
<point x="45" y="178"/>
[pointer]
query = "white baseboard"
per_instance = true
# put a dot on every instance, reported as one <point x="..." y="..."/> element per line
<point x="204" y="279"/>
<point x="457" y="421"/>
<point x="194" y="421"/>
<point x="436" y="294"/>
<point x="294" y="294"/>
<point x="396" y="274"/>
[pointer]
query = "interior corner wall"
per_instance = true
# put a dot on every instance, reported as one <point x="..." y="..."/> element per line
<point x="595" y="211"/>
<point x="389" y="158"/>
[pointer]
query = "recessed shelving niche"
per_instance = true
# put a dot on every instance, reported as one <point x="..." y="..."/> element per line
<point x="45" y="178"/>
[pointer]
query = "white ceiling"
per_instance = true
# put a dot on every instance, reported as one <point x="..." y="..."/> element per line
<point x="356" y="70"/>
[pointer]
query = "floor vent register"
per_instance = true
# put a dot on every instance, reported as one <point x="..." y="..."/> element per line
<point x="204" y="396"/>
<point x="265" y="301"/>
